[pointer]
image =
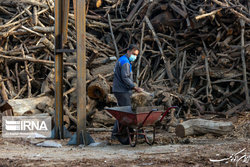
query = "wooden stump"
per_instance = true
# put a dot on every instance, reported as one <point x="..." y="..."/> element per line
<point x="201" y="126"/>
<point x="99" y="88"/>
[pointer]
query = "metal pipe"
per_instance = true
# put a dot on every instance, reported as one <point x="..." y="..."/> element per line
<point x="81" y="70"/>
<point x="65" y="18"/>
<point x="58" y="71"/>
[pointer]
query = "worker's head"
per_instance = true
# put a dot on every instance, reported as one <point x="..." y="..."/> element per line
<point x="133" y="52"/>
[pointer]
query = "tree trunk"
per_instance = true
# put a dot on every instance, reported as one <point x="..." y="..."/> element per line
<point x="20" y="106"/>
<point x="99" y="88"/>
<point x="201" y="126"/>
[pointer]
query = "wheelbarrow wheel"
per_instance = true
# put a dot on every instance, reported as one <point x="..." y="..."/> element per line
<point x="132" y="136"/>
<point x="150" y="135"/>
<point x="123" y="136"/>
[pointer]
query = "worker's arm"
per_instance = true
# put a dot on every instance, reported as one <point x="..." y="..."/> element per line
<point x="125" y="75"/>
<point x="125" y="72"/>
<point x="138" y="89"/>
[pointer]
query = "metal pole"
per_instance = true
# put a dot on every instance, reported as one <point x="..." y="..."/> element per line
<point x="58" y="71"/>
<point x="81" y="70"/>
<point x="65" y="15"/>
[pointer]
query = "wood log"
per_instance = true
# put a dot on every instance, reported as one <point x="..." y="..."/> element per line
<point x="163" y="19"/>
<point x="217" y="73"/>
<point x="17" y="2"/>
<point x="101" y="117"/>
<point x="45" y="108"/>
<point x="103" y="69"/>
<point x="6" y="109"/>
<point x="243" y="59"/>
<point x="201" y="126"/>
<point x="233" y="110"/>
<point x="132" y="13"/>
<point x="91" y="104"/>
<point x="165" y="60"/>
<point x="20" y="106"/>
<point x="3" y="90"/>
<point x="113" y="37"/>
<point x="68" y="113"/>
<point x="48" y="44"/>
<point x="232" y="10"/>
<point x="178" y="10"/>
<point x="110" y="99"/>
<point x="43" y="29"/>
<point x="35" y="16"/>
<point x="26" y="58"/>
<point x="66" y="121"/>
<point x="141" y="54"/>
<point x="71" y="74"/>
<point x="46" y="85"/>
<point x="99" y="88"/>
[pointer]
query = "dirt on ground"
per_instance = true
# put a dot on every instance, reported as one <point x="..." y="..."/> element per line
<point x="168" y="150"/>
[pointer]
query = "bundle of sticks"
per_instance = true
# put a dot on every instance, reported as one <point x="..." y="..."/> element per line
<point x="193" y="53"/>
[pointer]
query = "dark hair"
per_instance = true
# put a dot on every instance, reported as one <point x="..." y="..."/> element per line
<point x="132" y="47"/>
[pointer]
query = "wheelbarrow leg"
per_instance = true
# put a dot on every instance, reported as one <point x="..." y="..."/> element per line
<point x="133" y="137"/>
<point x="150" y="136"/>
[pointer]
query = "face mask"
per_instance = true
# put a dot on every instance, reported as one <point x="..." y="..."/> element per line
<point x="132" y="57"/>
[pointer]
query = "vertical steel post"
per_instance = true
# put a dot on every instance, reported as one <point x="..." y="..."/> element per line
<point x="58" y="71"/>
<point x="81" y="70"/>
<point x="65" y="15"/>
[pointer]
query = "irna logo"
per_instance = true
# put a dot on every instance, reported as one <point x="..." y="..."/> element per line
<point x="25" y="125"/>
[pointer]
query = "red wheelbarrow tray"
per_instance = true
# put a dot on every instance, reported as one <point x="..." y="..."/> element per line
<point x="127" y="117"/>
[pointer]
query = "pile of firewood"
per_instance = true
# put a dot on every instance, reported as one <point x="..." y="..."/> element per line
<point x="193" y="54"/>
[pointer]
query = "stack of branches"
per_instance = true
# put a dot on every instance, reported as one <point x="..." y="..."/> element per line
<point x="193" y="53"/>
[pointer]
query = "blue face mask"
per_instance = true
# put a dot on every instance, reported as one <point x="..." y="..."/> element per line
<point x="132" y="58"/>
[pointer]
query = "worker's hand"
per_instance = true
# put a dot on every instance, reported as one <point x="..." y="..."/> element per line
<point x="138" y="89"/>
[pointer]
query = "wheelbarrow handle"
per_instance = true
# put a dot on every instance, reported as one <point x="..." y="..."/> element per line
<point x="165" y="113"/>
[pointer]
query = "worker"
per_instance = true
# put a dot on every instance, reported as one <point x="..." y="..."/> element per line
<point x="123" y="81"/>
<point x="123" y="77"/>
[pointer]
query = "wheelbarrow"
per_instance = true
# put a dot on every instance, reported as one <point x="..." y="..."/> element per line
<point x="132" y="124"/>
